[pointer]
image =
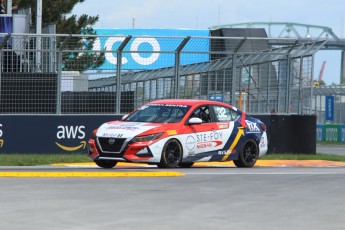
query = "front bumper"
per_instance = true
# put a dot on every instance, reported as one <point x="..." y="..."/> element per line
<point x="104" y="148"/>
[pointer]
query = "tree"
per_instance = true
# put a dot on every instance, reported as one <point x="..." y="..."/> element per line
<point x="319" y="83"/>
<point x="54" y="12"/>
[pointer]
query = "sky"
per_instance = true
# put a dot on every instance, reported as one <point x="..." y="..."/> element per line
<point x="202" y="14"/>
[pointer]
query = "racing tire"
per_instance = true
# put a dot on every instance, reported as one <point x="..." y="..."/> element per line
<point x="107" y="164"/>
<point x="186" y="164"/>
<point x="248" y="155"/>
<point x="171" y="154"/>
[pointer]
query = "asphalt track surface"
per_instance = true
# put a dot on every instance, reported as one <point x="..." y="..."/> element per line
<point x="331" y="149"/>
<point x="272" y="195"/>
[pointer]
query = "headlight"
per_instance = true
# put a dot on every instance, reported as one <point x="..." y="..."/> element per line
<point x="93" y="135"/>
<point x="146" y="138"/>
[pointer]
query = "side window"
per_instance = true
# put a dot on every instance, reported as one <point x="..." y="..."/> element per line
<point x="203" y="113"/>
<point x="225" y="114"/>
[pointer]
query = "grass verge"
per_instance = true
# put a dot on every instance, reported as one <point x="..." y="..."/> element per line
<point x="326" y="157"/>
<point x="12" y="159"/>
<point x="47" y="159"/>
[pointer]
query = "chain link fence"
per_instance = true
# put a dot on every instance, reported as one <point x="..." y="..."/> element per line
<point x="84" y="74"/>
<point x="329" y="104"/>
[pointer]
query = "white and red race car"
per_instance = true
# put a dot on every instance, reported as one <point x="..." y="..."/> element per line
<point x="172" y="133"/>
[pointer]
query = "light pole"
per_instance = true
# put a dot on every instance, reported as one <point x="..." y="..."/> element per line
<point x="9" y="7"/>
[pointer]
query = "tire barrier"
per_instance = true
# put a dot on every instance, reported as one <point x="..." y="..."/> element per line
<point x="290" y="133"/>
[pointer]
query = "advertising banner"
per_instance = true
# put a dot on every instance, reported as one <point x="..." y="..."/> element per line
<point x="6" y="27"/>
<point x="342" y="133"/>
<point x="48" y="134"/>
<point x="150" y="48"/>
<point x="329" y="108"/>
<point x="6" y="24"/>
<point x="331" y="133"/>
<point x="319" y="133"/>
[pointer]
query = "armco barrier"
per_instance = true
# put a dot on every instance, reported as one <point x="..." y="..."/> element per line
<point x="69" y="133"/>
<point x="330" y="133"/>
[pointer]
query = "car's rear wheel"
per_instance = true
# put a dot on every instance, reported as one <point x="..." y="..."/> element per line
<point x="171" y="155"/>
<point x="106" y="163"/>
<point x="186" y="164"/>
<point x="248" y="155"/>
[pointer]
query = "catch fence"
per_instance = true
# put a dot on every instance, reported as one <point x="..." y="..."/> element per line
<point x="91" y="74"/>
<point x="329" y="104"/>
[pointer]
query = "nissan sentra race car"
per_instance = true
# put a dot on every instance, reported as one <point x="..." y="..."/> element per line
<point x="172" y="133"/>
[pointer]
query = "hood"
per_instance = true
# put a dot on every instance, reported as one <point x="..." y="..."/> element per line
<point x="120" y="129"/>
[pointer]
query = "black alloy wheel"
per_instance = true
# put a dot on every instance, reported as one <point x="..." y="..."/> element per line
<point x="171" y="155"/>
<point x="248" y="155"/>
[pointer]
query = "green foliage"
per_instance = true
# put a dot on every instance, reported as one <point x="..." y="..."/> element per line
<point x="54" y="12"/>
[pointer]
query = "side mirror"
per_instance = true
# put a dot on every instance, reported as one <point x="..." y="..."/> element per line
<point x="124" y="117"/>
<point x="194" y="121"/>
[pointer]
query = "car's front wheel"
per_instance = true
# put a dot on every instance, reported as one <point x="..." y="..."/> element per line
<point x="106" y="163"/>
<point x="171" y="155"/>
<point x="248" y="155"/>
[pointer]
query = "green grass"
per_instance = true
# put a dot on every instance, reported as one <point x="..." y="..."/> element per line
<point x="304" y="157"/>
<point x="331" y="143"/>
<point x="10" y="159"/>
<point x="47" y="159"/>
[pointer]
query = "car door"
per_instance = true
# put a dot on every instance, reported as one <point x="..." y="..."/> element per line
<point x="230" y="121"/>
<point x="203" y="139"/>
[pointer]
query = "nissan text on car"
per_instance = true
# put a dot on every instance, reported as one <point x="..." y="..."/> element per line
<point x="177" y="133"/>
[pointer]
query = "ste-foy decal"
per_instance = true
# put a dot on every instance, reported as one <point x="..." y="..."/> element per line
<point x="208" y="140"/>
<point x="71" y="133"/>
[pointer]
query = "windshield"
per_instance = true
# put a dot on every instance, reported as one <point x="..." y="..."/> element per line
<point x="167" y="113"/>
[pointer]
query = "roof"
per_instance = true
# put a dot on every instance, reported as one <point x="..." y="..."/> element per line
<point x="330" y="90"/>
<point x="188" y="102"/>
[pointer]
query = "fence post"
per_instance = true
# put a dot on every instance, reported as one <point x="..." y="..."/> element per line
<point x="177" y="65"/>
<point x="233" y="93"/>
<point x="59" y="79"/>
<point x="59" y="74"/>
<point x="300" y="90"/>
<point x="312" y="86"/>
<point x="2" y="44"/>
<point x="118" y="72"/>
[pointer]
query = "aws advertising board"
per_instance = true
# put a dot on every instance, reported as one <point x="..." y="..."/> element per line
<point x="48" y="134"/>
<point x="150" y="48"/>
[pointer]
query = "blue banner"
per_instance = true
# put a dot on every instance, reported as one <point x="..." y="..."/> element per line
<point x="154" y="51"/>
<point x="329" y="108"/>
<point x="319" y="133"/>
<point x="6" y="24"/>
